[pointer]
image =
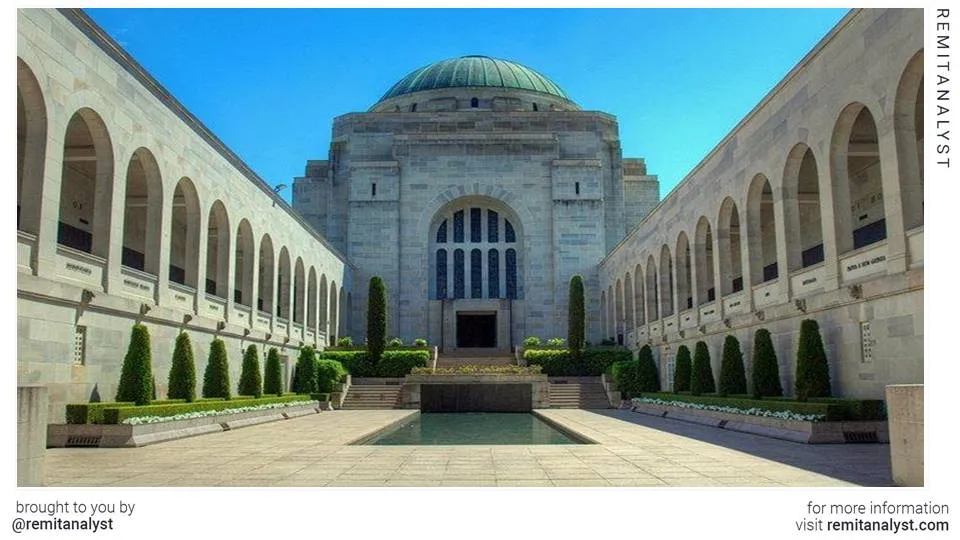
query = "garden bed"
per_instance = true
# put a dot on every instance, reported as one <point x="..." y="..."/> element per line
<point x="133" y="435"/>
<point x="776" y="424"/>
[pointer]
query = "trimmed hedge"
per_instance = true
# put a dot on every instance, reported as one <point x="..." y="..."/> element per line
<point x="116" y="415"/>
<point x="766" y="369"/>
<point x="835" y="410"/>
<point x="136" y="374"/>
<point x="394" y="363"/>
<point x="648" y="377"/>
<point x="575" y="316"/>
<point x="356" y="362"/>
<point x="682" y="370"/>
<point x="376" y="319"/>
<point x="216" y="378"/>
<point x="813" y="372"/>
<point x="92" y="413"/>
<point x="329" y="374"/>
<point x="251" y="384"/>
<point x="592" y="362"/>
<point x="305" y="372"/>
<point x="701" y="381"/>
<point x="625" y="374"/>
<point x="273" y="374"/>
<point x="182" y="381"/>
<point x="733" y="378"/>
<point x="856" y="409"/>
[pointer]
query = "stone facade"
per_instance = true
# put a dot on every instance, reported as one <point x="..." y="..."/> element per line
<point x="812" y="207"/>
<point x="116" y="182"/>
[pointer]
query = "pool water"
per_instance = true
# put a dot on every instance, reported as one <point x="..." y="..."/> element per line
<point x="474" y="428"/>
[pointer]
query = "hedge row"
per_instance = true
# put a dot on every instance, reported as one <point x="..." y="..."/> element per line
<point x="394" y="363"/>
<point x="116" y="415"/>
<point x="560" y="363"/>
<point x="834" y="409"/>
<point x="92" y="413"/>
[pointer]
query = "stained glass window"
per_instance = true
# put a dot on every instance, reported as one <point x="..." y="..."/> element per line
<point x="442" y="233"/>
<point x="458" y="278"/>
<point x="476" y="273"/>
<point x="493" y="227"/>
<point x="442" y="273"/>
<point x="511" y="273"/>
<point x="458" y="226"/>
<point x="493" y="274"/>
<point x="475" y="225"/>
<point x="508" y="234"/>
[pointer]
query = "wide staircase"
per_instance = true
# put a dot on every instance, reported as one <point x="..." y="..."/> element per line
<point x="577" y="393"/>
<point x="474" y="357"/>
<point x="372" y="395"/>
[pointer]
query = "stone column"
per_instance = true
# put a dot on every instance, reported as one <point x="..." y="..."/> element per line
<point x="31" y="434"/>
<point x="905" y="413"/>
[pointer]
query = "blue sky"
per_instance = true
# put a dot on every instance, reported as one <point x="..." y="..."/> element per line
<point x="269" y="82"/>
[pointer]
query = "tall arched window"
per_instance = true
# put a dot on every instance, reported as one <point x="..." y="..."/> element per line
<point x="493" y="273"/>
<point x="474" y="103"/>
<point x="476" y="273"/>
<point x="441" y="266"/>
<point x="511" y="273"/>
<point x="459" y="283"/>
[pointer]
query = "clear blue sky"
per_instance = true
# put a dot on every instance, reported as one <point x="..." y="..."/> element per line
<point x="269" y="82"/>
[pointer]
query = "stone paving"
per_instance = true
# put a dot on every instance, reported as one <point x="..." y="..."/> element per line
<point x="634" y="450"/>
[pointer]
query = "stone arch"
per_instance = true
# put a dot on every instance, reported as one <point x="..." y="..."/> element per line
<point x="728" y="247"/>
<point x="761" y="231"/>
<point x="684" y="292"/>
<point x="611" y="319"/>
<point x="143" y="203"/>
<point x="630" y="320"/>
<point x="299" y="291"/>
<point x="801" y="208"/>
<point x="856" y="177"/>
<point x="334" y="314"/>
<point x="185" y="234"/>
<point x="218" y="250"/>
<point x="908" y="130"/>
<point x="86" y="186"/>
<point x="265" y="288"/>
<point x="666" y="281"/>
<point x="703" y="258"/>
<point x="312" y="298"/>
<point x="31" y="148"/>
<point x="653" y="314"/>
<point x="244" y="265"/>
<point x="324" y="302"/>
<point x="343" y="314"/>
<point x="618" y="311"/>
<point x="603" y="314"/>
<point x="284" y="278"/>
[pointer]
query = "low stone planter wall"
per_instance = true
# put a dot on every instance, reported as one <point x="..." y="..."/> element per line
<point x="777" y="428"/>
<point x="128" y="436"/>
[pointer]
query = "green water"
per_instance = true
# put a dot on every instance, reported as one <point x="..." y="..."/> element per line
<point x="474" y="428"/>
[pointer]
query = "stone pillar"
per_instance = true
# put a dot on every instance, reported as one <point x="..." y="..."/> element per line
<point x="905" y="413"/>
<point x="31" y="434"/>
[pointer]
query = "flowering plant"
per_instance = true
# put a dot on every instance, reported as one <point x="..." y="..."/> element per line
<point x="753" y="411"/>
<point x="137" y="420"/>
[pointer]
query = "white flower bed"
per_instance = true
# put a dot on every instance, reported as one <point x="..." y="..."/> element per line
<point x="753" y="411"/>
<point x="137" y="420"/>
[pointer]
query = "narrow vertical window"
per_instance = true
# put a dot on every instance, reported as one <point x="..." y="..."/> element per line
<point x="458" y="226"/>
<point x="511" y="273"/>
<point x="80" y="346"/>
<point x="535" y="108"/>
<point x="458" y="278"/>
<point x="577" y="187"/>
<point x="475" y="225"/>
<point x="493" y="274"/>
<point x="493" y="227"/>
<point x="509" y="236"/>
<point x="476" y="273"/>
<point x="441" y="274"/>
<point x="413" y="108"/>
<point x="474" y="103"/>
<point x="442" y="233"/>
<point x="373" y="189"/>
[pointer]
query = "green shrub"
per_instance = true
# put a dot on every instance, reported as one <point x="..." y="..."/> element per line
<point x="625" y="374"/>
<point x="701" y="381"/>
<point x="682" y="370"/>
<point x="356" y="362"/>
<point x="329" y="374"/>
<point x="554" y="362"/>
<point x="376" y="319"/>
<point x="556" y="342"/>
<point x="400" y="363"/>
<point x="813" y="371"/>
<point x="136" y="377"/>
<point x="419" y="342"/>
<point x="531" y="342"/>
<point x="182" y="382"/>
<point x="833" y="411"/>
<point x="216" y="378"/>
<point x="648" y="376"/>
<point x="733" y="378"/>
<point x="594" y="362"/>
<point x="251" y="383"/>
<point x="560" y="363"/>
<point x="576" y="316"/>
<point x="395" y="342"/>
<point x="305" y="372"/>
<point x="766" y="369"/>
<point x="116" y="415"/>
<point x="345" y="341"/>
<point x="92" y="413"/>
<point x="273" y="374"/>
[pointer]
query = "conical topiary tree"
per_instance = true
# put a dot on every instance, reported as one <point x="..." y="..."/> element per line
<point x="813" y="371"/>
<point x="701" y="381"/>
<point x="376" y="319"/>
<point x="647" y="374"/>
<point x="136" y="377"/>
<point x="182" y="383"/>
<point x="681" y="371"/>
<point x="251" y="383"/>
<point x="733" y="378"/>
<point x="575" y="317"/>
<point x="273" y="374"/>
<point x="216" y="378"/>
<point x="305" y="373"/>
<point x="766" y="370"/>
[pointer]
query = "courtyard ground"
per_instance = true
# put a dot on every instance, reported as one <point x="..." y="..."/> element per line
<point x="633" y="450"/>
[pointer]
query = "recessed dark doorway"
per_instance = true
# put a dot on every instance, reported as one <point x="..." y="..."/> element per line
<point x="476" y="330"/>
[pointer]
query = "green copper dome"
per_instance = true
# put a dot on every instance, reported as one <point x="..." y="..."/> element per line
<point x="474" y="71"/>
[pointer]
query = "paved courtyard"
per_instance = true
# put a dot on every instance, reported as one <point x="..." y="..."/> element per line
<point x="633" y="450"/>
